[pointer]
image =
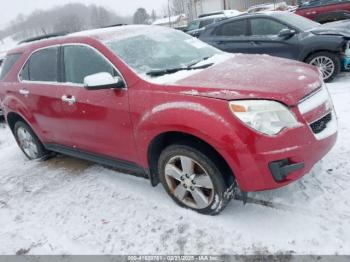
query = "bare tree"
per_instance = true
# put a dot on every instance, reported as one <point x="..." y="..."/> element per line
<point x="153" y="15"/>
<point x="177" y="7"/>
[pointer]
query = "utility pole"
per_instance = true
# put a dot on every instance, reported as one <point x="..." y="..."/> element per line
<point x="169" y="13"/>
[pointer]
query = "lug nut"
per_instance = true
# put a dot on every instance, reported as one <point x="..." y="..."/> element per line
<point x="185" y="186"/>
<point x="193" y="182"/>
<point x="187" y="176"/>
<point x="192" y="188"/>
<point x="182" y="178"/>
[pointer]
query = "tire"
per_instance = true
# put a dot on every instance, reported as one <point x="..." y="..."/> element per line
<point x="29" y="142"/>
<point x="207" y="193"/>
<point x="325" y="61"/>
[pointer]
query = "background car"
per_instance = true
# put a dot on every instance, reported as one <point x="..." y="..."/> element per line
<point x="283" y="34"/>
<point x="198" y="25"/>
<point x="324" y="11"/>
<point x="269" y="7"/>
<point x="2" y="57"/>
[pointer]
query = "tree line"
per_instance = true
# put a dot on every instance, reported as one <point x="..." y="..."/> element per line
<point x="67" y="18"/>
<point x="77" y="17"/>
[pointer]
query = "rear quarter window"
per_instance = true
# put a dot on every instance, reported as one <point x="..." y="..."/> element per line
<point x="7" y="64"/>
<point x="42" y="66"/>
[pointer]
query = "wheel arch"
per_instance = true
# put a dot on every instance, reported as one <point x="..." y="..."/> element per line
<point x="315" y="51"/>
<point x="12" y="118"/>
<point x="161" y="141"/>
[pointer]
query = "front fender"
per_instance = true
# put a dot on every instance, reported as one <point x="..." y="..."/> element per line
<point x="315" y="43"/>
<point x="207" y="119"/>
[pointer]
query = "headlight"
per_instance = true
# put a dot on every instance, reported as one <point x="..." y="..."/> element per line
<point x="267" y="117"/>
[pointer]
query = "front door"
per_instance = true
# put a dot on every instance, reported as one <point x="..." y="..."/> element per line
<point x="98" y="120"/>
<point x="264" y="39"/>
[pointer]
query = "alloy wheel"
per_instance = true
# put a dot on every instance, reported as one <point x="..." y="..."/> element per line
<point x="325" y="64"/>
<point x="189" y="182"/>
<point x="27" y="143"/>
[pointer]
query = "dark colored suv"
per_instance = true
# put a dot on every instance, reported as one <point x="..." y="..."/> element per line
<point x="157" y="102"/>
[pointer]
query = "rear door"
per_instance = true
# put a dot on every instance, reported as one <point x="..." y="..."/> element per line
<point x="98" y="120"/>
<point x="40" y="95"/>
<point x="231" y="36"/>
<point x="264" y="38"/>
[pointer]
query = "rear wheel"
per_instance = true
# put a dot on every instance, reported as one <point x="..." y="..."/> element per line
<point x="28" y="141"/>
<point x="327" y="62"/>
<point x="193" y="180"/>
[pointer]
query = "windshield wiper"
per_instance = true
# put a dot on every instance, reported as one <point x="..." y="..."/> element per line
<point x="161" y="72"/>
<point x="198" y="61"/>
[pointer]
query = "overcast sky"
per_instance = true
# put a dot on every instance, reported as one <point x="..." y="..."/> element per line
<point x="11" y="8"/>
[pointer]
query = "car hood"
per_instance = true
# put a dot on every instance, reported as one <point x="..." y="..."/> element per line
<point x="254" y="77"/>
<point x="340" y="28"/>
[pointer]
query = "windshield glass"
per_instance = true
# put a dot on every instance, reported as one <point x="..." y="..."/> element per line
<point x="194" y="25"/>
<point x="297" y="21"/>
<point x="160" y="49"/>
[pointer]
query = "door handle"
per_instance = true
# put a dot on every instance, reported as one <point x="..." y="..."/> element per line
<point x="24" y="92"/>
<point x="69" y="99"/>
<point x="255" y="43"/>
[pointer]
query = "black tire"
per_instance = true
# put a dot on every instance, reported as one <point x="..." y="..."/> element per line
<point x="333" y="57"/>
<point x="222" y="191"/>
<point x="41" y="151"/>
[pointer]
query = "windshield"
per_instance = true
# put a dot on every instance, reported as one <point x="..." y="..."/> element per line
<point x="160" y="49"/>
<point x="297" y="21"/>
<point x="194" y="25"/>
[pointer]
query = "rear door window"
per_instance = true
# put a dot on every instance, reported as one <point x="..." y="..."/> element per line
<point x="42" y="66"/>
<point x="235" y="28"/>
<point x="8" y="63"/>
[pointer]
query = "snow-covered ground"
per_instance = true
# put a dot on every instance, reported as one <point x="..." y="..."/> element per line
<point x="69" y="206"/>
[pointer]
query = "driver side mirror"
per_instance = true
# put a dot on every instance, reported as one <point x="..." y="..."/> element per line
<point x="286" y="33"/>
<point x="103" y="80"/>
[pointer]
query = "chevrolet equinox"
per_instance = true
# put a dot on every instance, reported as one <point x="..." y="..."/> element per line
<point x="157" y="102"/>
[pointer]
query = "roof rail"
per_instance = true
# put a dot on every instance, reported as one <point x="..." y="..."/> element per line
<point x="115" y="25"/>
<point x="211" y="14"/>
<point x="37" y="38"/>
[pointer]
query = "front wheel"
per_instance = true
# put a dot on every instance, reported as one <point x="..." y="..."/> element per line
<point x="327" y="62"/>
<point x="193" y="180"/>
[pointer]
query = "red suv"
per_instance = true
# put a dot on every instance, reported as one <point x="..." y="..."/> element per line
<point x="324" y="11"/>
<point x="157" y="102"/>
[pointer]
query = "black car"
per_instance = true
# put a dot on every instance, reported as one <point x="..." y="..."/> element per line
<point x="285" y="35"/>
<point x="198" y="25"/>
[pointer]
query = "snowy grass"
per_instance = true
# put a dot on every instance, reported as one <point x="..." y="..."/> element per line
<point x="69" y="206"/>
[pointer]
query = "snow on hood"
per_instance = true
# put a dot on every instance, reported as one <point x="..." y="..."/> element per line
<point x="253" y="77"/>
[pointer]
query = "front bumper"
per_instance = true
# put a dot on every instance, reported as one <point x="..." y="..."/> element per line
<point x="269" y="162"/>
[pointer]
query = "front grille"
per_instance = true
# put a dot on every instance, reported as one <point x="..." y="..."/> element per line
<point x="321" y="124"/>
